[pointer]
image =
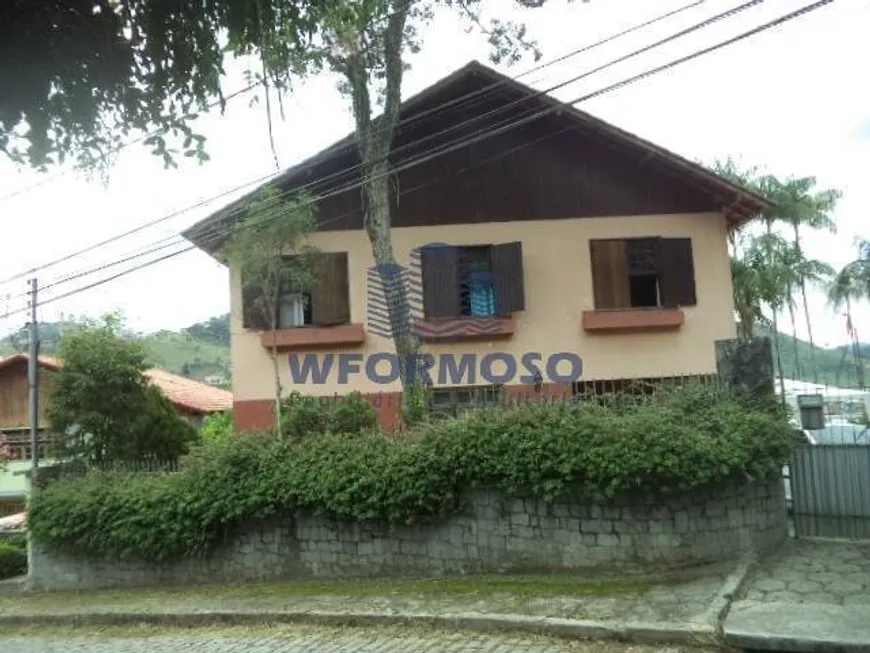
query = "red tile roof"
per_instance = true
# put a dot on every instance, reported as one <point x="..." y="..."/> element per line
<point x="190" y="394"/>
<point x="185" y="393"/>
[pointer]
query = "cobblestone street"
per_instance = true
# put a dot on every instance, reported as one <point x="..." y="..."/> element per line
<point x="804" y="571"/>
<point x="303" y="640"/>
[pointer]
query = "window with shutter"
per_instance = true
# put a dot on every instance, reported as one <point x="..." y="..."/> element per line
<point x="507" y="271"/>
<point x="676" y="269"/>
<point x="441" y="286"/>
<point x="330" y="297"/>
<point x="609" y="274"/>
<point x="643" y="273"/>
<point x="472" y="281"/>
<point x="642" y="255"/>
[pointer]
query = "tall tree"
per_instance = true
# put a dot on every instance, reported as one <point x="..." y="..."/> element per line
<point x="799" y="207"/>
<point x="271" y="253"/>
<point x="157" y="64"/>
<point x="768" y="256"/>
<point x="849" y="285"/>
<point x="748" y="302"/>
<point x="365" y="42"/>
<point x="104" y="406"/>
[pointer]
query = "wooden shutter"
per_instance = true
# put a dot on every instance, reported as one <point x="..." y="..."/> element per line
<point x="507" y="269"/>
<point x="609" y="274"/>
<point x="330" y="296"/>
<point x="676" y="272"/>
<point x="440" y="267"/>
<point x="253" y="313"/>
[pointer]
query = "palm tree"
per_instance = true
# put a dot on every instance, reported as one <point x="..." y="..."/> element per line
<point x="767" y="256"/>
<point x="747" y="282"/>
<point x="848" y="286"/>
<point x="800" y="208"/>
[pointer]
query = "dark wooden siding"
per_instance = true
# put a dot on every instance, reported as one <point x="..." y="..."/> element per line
<point x="546" y="169"/>
<point x="15" y="395"/>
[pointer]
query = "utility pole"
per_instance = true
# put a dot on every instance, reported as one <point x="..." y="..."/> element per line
<point x="33" y="383"/>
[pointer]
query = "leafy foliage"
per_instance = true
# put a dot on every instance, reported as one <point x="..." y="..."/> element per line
<point x="674" y="440"/>
<point x="13" y="558"/>
<point x="106" y="407"/>
<point x="274" y="259"/>
<point x="215" y="330"/>
<point x="304" y="415"/>
<point x="97" y="71"/>
<point x="218" y="427"/>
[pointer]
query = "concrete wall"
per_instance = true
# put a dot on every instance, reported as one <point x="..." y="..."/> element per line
<point x="558" y="288"/>
<point x="494" y="536"/>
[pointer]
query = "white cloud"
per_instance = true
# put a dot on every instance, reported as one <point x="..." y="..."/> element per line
<point x="786" y="100"/>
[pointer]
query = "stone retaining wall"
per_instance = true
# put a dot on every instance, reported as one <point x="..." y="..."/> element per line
<point x="496" y="535"/>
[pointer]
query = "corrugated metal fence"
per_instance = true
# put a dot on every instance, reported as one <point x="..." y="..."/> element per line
<point x="831" y="491"/>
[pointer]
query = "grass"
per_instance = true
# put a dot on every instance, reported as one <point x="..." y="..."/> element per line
<point x="172" y="351"/>
<point x="521" y="587"/>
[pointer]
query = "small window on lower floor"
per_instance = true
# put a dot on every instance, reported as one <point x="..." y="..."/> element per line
<point x="455" y="401"/>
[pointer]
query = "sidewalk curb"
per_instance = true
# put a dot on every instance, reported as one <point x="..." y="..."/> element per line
<point x="639" y="633"/>
<point x="728" y="592"/>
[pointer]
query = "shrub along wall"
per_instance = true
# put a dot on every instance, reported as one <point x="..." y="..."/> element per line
<point x="684" y="475"/>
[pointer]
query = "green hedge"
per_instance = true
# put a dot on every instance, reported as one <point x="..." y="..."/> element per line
<point x="675" y="440"/>
<point x="13" y="558"/>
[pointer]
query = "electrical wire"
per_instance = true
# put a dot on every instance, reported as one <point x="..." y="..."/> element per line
<point x="217" y="231"/>
<point x="400" y="124"/>
<point x="625" y="82"/>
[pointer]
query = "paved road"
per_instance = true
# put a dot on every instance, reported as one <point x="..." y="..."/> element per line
<point x="297" y="639"/>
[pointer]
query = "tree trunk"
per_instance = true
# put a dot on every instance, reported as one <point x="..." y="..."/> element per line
<point x="778" y="358"/>
<point x="374" y="140"/>
<point x="276" y="370"/>
<point x="803" y="283"/>
<point x="794" y="338"/>
<point x="378" y="218"/>
<point x="856" y="350"/>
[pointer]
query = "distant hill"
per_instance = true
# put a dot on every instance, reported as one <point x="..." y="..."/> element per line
<point x="202" y="351"/>
<point x="835" y="366"/>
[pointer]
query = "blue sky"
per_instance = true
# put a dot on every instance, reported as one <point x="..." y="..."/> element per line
<point x="790" y="100"/>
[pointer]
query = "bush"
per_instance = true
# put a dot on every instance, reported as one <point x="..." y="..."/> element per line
<point x="13" y="559"/>
<point x="304" y="415"/>
<point x="673" y="441"/>
<point x="218" y="427"/>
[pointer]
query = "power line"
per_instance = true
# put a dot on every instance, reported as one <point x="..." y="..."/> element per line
<point x="506" y="107"/>
<point x="769" y="25"/>
<point x="55" y="177"/>
<point x="510" y="123"/>
<point x="400" y="124"/>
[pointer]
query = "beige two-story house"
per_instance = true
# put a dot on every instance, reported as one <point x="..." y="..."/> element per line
<point x="531" y="237"/>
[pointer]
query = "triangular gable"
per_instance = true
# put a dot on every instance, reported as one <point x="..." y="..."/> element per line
<point x="588" y="167"/>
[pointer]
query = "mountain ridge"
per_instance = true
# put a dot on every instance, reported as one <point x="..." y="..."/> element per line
<point x="202" y="351"/>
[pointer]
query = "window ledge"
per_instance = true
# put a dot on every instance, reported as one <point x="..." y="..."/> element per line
<point x="464" y="328"/>
<point x="633" y="320"/>
<point x="314" y="336"/>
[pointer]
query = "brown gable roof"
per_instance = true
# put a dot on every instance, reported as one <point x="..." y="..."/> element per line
<point x="739" y="203"/>
<point x="184" y="393"/>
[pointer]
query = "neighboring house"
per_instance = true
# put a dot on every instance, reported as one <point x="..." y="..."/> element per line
<point x="566" y="234"/>
<point x="192" y="400"/>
